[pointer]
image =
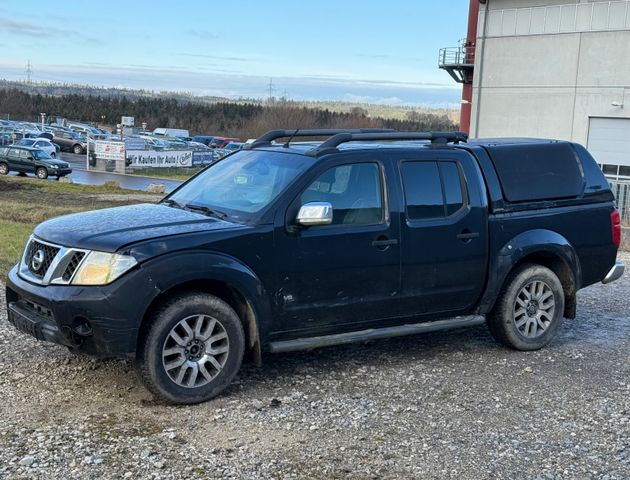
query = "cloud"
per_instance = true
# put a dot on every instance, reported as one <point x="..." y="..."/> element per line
<point x="217" y="82"/>
<point x="28" y="29"/>
<point x="205" y="34"/>
<point x="218" y="57"/>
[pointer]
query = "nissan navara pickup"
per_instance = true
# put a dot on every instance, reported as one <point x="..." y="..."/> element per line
<point x="351" y="235"/>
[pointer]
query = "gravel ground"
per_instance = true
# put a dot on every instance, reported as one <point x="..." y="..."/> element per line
<point x="442" y="405"/>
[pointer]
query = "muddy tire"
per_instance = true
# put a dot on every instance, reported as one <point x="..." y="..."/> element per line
<point x="192" y="350"/>
<point x="529" y="310"/>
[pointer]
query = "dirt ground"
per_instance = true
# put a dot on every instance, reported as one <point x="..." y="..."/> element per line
<point x="441" y="405"/>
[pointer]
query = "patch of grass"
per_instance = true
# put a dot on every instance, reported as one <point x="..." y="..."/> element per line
<point x="25" y="202"/>
<point x="13" y="236"/>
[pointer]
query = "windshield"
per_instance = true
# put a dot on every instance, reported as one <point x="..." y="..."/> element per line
<point x="241" y="184"/>
<point x="25" y="141"/>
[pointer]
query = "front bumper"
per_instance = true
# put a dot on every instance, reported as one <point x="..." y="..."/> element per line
<point x="614" y="273"/>
<point x="101" y="321"/>
<point x="60" y="171"/>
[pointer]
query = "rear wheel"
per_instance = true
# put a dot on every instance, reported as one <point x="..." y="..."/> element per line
<point x="528" y="313"/>
<point x="78" y="149"/>
<point x="4" y="169"/>
<point x="41" y="173"/>
<point x="193" y="349"/>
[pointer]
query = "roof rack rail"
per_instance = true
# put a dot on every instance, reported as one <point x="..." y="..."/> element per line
<point x="267" y="138"/>
<point x="439" y="138"/>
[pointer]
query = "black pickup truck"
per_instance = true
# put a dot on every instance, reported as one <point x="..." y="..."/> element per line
<point x="295" y="245"/>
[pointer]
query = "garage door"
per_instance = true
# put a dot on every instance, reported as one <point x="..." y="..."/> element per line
<point x="609" y="143"/>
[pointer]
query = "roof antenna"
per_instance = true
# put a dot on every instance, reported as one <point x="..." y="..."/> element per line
<point x="286" y="145"/>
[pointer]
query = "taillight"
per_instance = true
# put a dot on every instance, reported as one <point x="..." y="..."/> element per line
<point x="615" y="222"/>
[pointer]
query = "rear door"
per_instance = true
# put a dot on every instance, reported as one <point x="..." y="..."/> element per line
<point x="443" y="231"/>
<point x="15" y="162"/>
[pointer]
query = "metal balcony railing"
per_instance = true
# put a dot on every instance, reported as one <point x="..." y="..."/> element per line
<point x="458" y="62"/>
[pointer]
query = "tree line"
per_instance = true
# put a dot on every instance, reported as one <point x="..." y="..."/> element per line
<point x="242" y="120"/>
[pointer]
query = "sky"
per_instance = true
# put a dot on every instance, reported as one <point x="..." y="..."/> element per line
<point x="360" y="51"/>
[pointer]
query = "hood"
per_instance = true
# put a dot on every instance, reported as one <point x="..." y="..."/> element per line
<point x="112" y="228"/>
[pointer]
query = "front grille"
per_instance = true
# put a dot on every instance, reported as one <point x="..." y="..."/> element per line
<point x="74" y="262"/>
<point x="38" y="257"/>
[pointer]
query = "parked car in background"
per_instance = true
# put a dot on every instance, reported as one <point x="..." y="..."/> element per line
<point x="175" y="143"/>
<point x="198" y="146"/>
<point x="93" y="132"/>
<point x="39" y="143"/>
<point x="153" y="143"/>
<point x="69" y="141"/>
<point x="221" y="142"/>
<point x="233" y="146"/>
<point x="171" y="132"/>
<point x="205" y="139"/>
<point x="31" y="160"/>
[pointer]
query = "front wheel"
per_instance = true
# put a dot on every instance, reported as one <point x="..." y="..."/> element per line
<point x="78" y="149"/>
<point x="41" y="173"/>
<point x="4" y="169"/>
<point x="192" y="350"/>
<point x="529" y="310"/>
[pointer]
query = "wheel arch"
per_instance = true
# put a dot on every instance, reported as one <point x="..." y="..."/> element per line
<point x="541" y="247"/>
<point x="218" y="275"/>
<point x="222" y="290"/>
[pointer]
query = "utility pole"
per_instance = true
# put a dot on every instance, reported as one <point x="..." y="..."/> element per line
<point x="270" y="89"/>
<point x="29" y="71"/>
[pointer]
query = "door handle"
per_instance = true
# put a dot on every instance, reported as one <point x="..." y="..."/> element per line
<point x="384" y="243"/>
<point x="467" y="235"/>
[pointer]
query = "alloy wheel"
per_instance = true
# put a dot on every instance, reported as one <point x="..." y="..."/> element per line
<point x="534" y="309"/>
<point x="195" y="351"/>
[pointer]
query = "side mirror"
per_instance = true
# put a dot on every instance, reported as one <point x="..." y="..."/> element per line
<point x="315" y="213"/>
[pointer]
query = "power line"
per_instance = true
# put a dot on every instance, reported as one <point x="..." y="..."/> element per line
<point x="270" y="89"/>
<point x="29" y="71"/>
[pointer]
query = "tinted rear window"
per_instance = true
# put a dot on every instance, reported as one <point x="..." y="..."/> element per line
<point x="538" y="172"/>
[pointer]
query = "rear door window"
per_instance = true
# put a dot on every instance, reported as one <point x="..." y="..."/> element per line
<point x="432" y="189"/>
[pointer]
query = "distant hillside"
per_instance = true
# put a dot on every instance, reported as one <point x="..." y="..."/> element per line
<point x="397" y="112"/>
<point x="200" y="115"/>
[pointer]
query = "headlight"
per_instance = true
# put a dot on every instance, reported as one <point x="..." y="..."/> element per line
<point x="100" y="268"/>
<point x="54" y="166"/>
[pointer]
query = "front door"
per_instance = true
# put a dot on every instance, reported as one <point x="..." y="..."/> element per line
<point x="333" y="277"/>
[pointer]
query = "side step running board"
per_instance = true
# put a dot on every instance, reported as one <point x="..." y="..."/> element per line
<point x="374" y="334"/>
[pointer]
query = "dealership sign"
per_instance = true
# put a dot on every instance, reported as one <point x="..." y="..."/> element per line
<point x="166" y="158"/>
<point x="109" y="150"/>
<point x="203" y="158"/>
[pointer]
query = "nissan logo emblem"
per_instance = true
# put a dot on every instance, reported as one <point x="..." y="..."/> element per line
<point x="38" y="260"/>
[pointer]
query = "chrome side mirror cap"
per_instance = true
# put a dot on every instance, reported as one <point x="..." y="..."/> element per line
<point x="315" y="213"/>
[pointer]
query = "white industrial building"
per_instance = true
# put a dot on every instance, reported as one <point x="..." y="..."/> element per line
<point x="554" y="69"/>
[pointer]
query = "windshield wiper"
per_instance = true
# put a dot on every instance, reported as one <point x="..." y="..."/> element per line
<point x="172" y="203"/>
<point x="206" y="210"/>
